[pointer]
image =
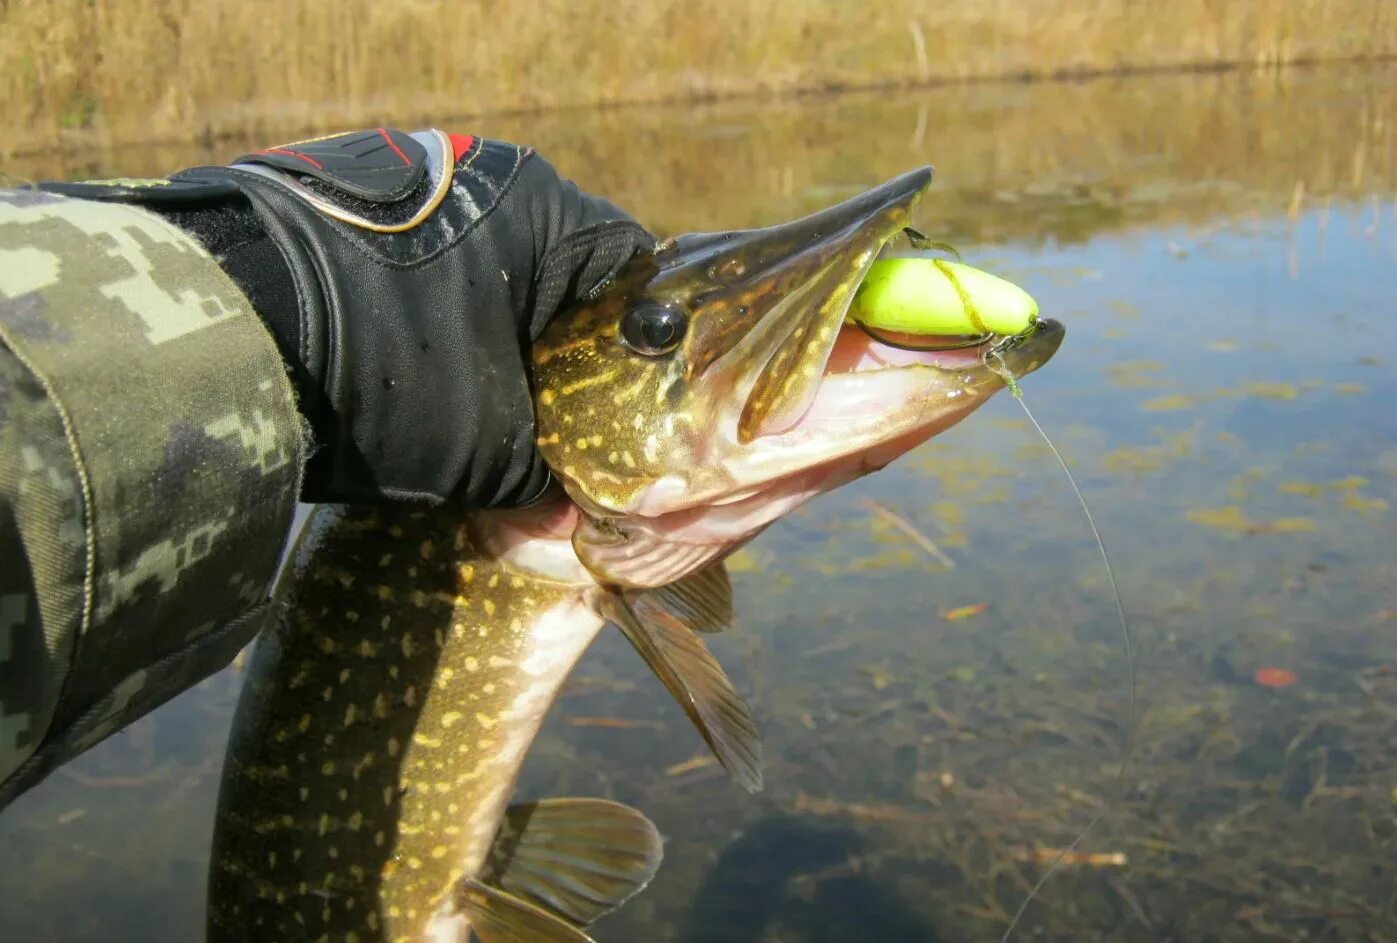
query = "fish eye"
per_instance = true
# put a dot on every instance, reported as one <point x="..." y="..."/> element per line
<point x="653" y="330"/>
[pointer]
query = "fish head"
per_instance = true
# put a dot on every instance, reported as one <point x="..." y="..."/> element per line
<point x="714" y="385"/>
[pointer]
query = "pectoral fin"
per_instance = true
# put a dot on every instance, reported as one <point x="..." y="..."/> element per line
<point x="579" y="858"/>
<point x="684" y="665"/>
<point x="702" y="601"/>
<point x="499" y="917"/>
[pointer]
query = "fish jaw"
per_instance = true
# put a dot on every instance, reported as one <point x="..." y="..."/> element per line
<point x="759" y="311"/>
<point x="877" y="402"/>
<point x="771" y="398"/>
<point x="861" y="420"/>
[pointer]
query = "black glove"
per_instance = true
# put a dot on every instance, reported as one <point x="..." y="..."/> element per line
<point x="404" y="278"/>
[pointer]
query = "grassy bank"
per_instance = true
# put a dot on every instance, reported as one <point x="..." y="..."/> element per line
<point x="76" y="72"/>
<point x="1014" y="162"/>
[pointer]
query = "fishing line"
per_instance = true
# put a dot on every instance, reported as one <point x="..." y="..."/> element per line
<point x="994" y="359"/>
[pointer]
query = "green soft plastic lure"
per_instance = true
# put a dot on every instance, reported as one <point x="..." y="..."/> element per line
<point x="920" y="293"/>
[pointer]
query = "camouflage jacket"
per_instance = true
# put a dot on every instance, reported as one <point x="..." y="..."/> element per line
<point x="150" y="459"/>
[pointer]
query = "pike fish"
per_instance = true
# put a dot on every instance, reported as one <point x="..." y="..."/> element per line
<point x="708" y="390"/>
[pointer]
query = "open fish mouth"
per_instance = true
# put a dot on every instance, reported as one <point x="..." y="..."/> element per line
<point x="864" y="376"/>
<point x="873" y="404"/>
<point x="819" y="395"/>
<point x="771" y="397"/>
<point x="851" y="236"/>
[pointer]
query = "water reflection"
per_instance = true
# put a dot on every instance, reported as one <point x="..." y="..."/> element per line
<point x="1056" y="161"/>
<point x="1222" y="249"/>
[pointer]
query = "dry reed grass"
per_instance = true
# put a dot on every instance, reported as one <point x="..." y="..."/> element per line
<point x="1030" y="161"/>
<point x="118" y="71"/>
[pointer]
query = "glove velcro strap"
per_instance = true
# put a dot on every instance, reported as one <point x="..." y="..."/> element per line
<point x="380" y="180"/>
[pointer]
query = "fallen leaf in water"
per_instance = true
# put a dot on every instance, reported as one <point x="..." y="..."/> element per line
<point x="1135" y="381"/>
<point x="72" y="815"/>
<point x="1350" y="389"/>
<point x="1229" y="517"/>
<point x="964" y="612"/>
<point x="1272" y="390"/>
<point x="948" y="513"/>
<point x="1349" y="483"/>
<point x="615" y="723"/>
<point x="701" y="761"/>
<point x="1305" y="488"/>
<point x="999" y="494"/>
<point x="1275" y="677"/>
<point x="898" y="558"/>
<point x="1357" y="502"/>
<point x="1239" y="488"/>
<point x="870" y="812"/>
<point x="1129" y="372"/>
<point x="1088" y="859"/>
<point x="743" y="561"/>
<point x="879" y="675"/>
<point x="1032" y="452"/>
<point x="1133" y="460"/>
<point x="889" y="517"/>
<point x="1222" y="346"/>
<point x="579" y="685"/>
<point x="1130" y="368"/>
<point x="1168" y="404"/>
<point x="838" y="645"/>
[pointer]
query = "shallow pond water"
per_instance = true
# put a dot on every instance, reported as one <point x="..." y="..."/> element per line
<point x="1223" y="250"/>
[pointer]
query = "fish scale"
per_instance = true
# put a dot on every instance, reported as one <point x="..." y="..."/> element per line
<point x="401" y="698"/>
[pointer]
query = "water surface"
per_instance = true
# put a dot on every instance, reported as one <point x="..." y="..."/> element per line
<point x="1222" y="250"/>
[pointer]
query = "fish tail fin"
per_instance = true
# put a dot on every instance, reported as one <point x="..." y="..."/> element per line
<point x="578" y="858"/>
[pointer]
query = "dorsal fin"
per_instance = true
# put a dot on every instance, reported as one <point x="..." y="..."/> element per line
<point x="580" y="858"/>
<point x="683" y="663"/>
<point x="702" y="600"/>
<point x="497" y="916"/>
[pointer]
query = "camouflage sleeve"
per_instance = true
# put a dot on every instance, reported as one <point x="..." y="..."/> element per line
<point x="150" y="458"/>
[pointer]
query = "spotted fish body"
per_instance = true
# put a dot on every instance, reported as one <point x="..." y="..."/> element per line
<point x="386" y="721"/>
<point x="709" y="390"/>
